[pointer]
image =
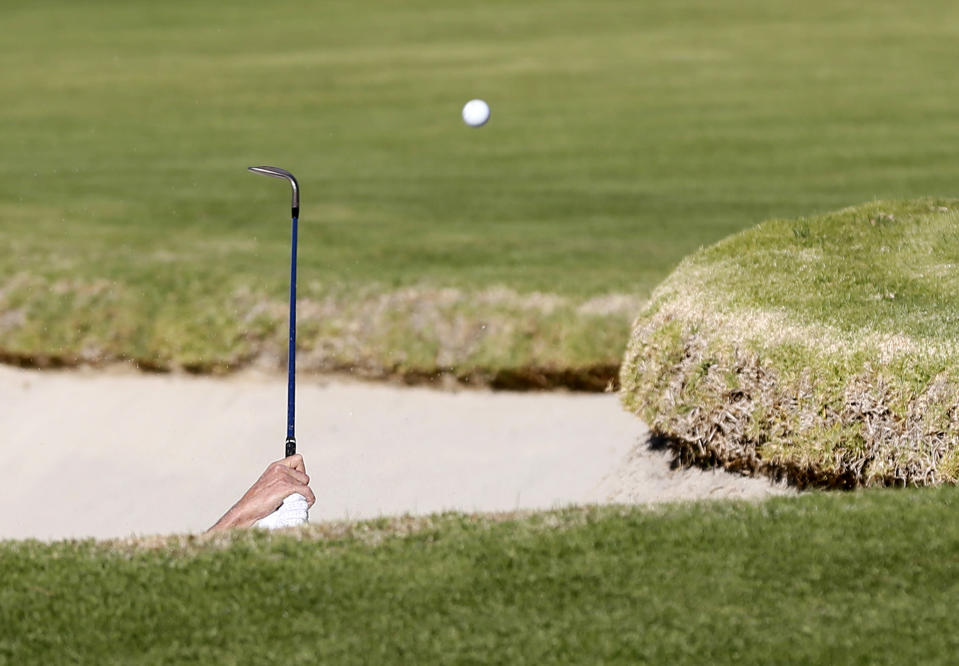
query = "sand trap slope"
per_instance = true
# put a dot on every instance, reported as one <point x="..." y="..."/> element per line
<point x="108" y="454"/>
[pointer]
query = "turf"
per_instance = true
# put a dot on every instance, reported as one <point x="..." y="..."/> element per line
<point x="624" y="135"/>
<point x="823" y="348"/>
<point x="886" y="268"/>
<point x="817" y="579"/>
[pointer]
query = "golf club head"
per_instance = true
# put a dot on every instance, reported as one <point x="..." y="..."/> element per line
<point x="277" y="172"/>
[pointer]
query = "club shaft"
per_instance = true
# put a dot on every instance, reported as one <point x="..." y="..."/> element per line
<point x="291" y="386"/>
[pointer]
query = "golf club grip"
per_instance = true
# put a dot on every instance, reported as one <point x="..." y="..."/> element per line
<point x="290" y="447"/>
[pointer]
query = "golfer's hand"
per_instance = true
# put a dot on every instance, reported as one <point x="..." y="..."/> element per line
<point x="280" y="480"/>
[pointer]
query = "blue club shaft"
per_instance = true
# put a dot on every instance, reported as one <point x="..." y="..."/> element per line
<point x="291" y="386"/>
<point x="277" y="172"/>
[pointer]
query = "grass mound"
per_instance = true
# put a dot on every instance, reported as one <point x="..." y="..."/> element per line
<point x="815" y="578"/>
<point x="824" y="349"/>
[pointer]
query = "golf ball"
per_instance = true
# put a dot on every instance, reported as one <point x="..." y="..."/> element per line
<point x="476" y="113"/>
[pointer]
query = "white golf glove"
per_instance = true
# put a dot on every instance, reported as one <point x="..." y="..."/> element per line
<point x="294" y="511"/>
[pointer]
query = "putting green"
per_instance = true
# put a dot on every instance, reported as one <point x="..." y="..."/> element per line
<point x="822" y="348"/>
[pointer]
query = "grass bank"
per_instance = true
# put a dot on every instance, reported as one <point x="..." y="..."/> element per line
<point x="495" y="337"/>
<point x="815" y="579"/>
<point x="821" y="348"/>
<point x="624" y="136"/>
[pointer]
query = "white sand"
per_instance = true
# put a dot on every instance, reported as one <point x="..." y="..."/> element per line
<point x="112" y="454"/>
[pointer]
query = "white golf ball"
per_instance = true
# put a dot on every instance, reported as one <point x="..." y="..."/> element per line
<point x="476" y="113"/>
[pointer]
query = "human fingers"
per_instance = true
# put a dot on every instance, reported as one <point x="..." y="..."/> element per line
<point x="284" y="481"/>
<point x="293" y="474"/>
<point x="294" y="462"/>
<point x="307" y="492"/>
<point x="282" y="469"/>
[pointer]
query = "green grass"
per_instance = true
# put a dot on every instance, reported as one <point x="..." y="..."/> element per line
<point x="818" y="579"/>
<point x="823" y="347"/>
<point x="887" y="267"/>
<point x="624" y="135"/>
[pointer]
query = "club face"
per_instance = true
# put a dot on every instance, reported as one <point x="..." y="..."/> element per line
<point x="277" y="172"/>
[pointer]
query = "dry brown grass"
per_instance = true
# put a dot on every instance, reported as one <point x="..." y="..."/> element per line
<point x="493" y="337"/>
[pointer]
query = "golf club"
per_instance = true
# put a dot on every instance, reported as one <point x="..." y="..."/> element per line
<point x="294" y="508"/>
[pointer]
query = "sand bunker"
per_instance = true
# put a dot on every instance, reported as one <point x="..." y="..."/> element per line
<point x="110" y="454"/>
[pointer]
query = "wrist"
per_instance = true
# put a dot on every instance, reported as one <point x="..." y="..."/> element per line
<point x="235" y="517"/>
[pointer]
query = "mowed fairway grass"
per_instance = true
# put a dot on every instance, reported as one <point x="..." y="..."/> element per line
<point x="866" y="578"/>
<point x="624" y="135"/>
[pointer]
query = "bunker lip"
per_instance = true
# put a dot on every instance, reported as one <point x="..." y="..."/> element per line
<point x="416" y="334"/>
<point x="802" y="477"/>
<point x="599" y="378"/>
